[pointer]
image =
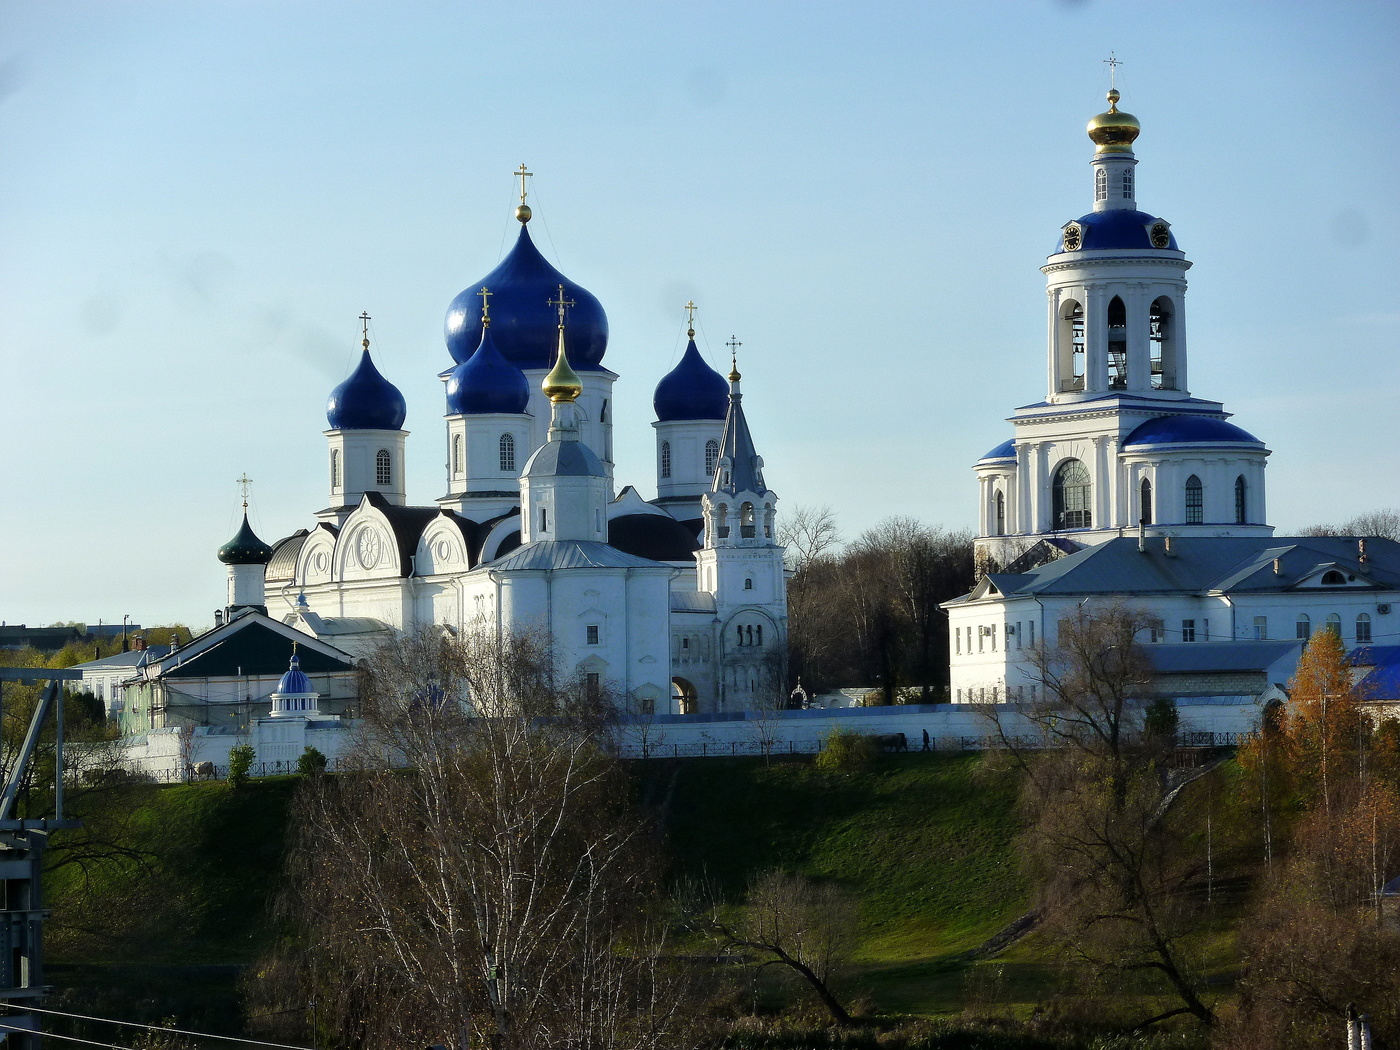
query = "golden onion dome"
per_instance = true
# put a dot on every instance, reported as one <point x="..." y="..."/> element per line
<point x="1114" y="132"/>
<point x="562" y="383"/>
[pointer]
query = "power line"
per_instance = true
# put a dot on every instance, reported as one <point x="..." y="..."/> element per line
<point x="159" y="1028"/>
<point x="55" y="1035"/>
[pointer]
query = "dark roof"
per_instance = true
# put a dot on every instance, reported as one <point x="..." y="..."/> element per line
<point x="1382" y="682"/>
<point x="656" y="537"/>
<point x="1189" y="430"/>
<point x="1198" y="657"/>
<point x="1207" y="563"/>
<point x="569" y="458"/>
<point x="543" y="555"/>
<point x="736" y="446"/>
<point x="1116" y="228"/>
<point x="245" y="548"/>
<point x="691" y="390"/>
<point x="253" y="648"/>
<point x="130" y="658"/>
<point x="366" y="401"/>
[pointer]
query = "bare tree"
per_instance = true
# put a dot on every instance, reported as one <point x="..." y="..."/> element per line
<point x="497" y="888"/>
<point x="1383" y="523"/>
<point x="1116" y="884"/>
<point x="805" y="926"/>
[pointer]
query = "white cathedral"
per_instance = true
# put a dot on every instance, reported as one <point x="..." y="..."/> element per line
<point x="674" y="605"/>
<point x="1120" y="484"/>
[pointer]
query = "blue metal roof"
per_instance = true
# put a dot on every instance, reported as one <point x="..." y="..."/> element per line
<point x="486" y="382"/>
<point x="366" y="401"/>
<point x="1006" y="450"/>
<point x="295" y="680"/>
<point x="1199" y="657"/>
<point x="1190" y="430"/>
<point x="542" y="555"/>
<point x="691" y="390"/>
<point x="564" y="458"/>
<point x="523" y="323"/>
<point x="1107" y="230"/>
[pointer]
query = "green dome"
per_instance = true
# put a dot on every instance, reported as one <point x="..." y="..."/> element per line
<point x="245" y="548"/>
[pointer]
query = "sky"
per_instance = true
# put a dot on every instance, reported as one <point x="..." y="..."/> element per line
<point x="197" y="200"/>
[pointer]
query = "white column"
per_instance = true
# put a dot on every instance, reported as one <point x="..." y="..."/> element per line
<point x="1139" y="352"/>
<point x="1095" y="341"/>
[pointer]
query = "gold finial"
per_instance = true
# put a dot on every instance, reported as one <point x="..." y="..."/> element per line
<point x="364" y="329"/>
<point x="562" y="383"/>
<point x="1114" y="131"/>
<point x="522" y="210"/>
<point x="734" y="345"/>
<point x="690" y="319"/>
<point x="243" y="484"/>
<point x="485" y="306"/>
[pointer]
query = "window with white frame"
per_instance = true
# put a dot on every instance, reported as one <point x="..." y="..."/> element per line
<point x="1261" y="628"/>
<point x="665" y="459"/>
<point x="1188" y="630"/>
<point x="592" y="633"/>
<point x="1195" y="501"/>
<point x="383" y="468"/>
<point x="507" y="447"/>
<point x="1363" y="627"/>
<point x="1304" y="627"/>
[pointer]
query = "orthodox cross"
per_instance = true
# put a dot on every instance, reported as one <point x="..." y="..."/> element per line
<point x="523" y="175"/>
<point x="690" y="318"/>
<point x="561" y="302"/>
<point x="364" y="329"/>
<point x="1112" y="63"/>
<point x="486" y="304"/>
<point x="243" y="483"/>
<point x="734" y="345"/>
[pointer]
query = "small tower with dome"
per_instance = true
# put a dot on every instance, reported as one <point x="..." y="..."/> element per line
<point x="246" y="557"/>
<point x="691" y="402"/>
<point x="1118" y="444"/>
<point x="365" y="442"/>
<point x="294" y="697"/>
<point x="488" y="428"/>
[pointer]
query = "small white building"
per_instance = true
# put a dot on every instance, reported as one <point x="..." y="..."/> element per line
<point x="106" y="678"/>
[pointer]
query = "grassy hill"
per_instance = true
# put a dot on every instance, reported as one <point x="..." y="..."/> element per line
<point x="923" y="841"/>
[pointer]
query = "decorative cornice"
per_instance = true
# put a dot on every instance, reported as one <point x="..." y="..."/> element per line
<point x="1181" y="263"/>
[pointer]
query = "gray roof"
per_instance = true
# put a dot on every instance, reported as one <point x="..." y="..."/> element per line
<point x="130" y="658"/>
<point x="542" y="555"/>
<point x="1198" y="565"/>
<point x="692" y="601"/>
<point x="572" y="458"/>
<point x="746" y="470"/>
<point x="1196" y="657"/>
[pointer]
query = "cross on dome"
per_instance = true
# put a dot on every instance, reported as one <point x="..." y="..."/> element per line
<point x="561" y="303"/>
<point x="1112" y="62"/>
<point x="734" y="345"/>
<point x="690" y="319"/>
<point x="244" y="483"/>
<point x="364" y="328"/>
<point x="522" y="210"/>
<point x="485" y="295"/>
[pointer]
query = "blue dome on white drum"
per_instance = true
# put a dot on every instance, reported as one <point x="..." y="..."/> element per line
<point x="1189" y="430"/>
<point x="691" y="390"/>
<point x="1113" y="230"/>
<point x="523" y="323"/>
<point x="1005" y="452"/>
<point x="366" y="401"/>
<point x="486" y="383"/>
<point x="294" y="681"/>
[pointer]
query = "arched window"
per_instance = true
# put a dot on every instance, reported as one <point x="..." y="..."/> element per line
<point x="1241" y="501"/>
<point x="456" y="455"/>
<point x="758" y="635"/>
<point x="748" y="583"/>
<point x="1304" y="629"/>
<point x="544" y="519"/>
<point x="711" y="457"/>
<point x="1072" y="495"/>
<point x="1160" y="340"/>
<point x="1334" y="624"/>
<point x="1100" y="184"/>
<point x="1128" y="183"/>
<point x="740" y="631"/>
<point x="335" y="468"/>
<point x="1145" y="501"/>
<point x="722" y="521"/>
<point x="1332" y="578"/>
<point x="1117" y="344"/>
<point x="1363" y="627"/>
<point x="999" y="515"/>
<point x="383" y="468"/>
<point x="1071" y="346"/>
<point x="665" y="459"/>
<point x="507" y="451"/>
<point x="746" y="521"/>
<point x="1195" y="501"/>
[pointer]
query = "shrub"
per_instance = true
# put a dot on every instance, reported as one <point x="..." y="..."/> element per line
<point x="845" y="751"/>
<point x="240" y="761"/>
<point x="311" y="761"/>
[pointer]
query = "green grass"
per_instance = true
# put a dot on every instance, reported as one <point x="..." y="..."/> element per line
<point x="923" y="841"/>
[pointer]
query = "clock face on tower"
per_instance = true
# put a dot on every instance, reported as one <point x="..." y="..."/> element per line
<point x="1161" y="235"/>
<point x="1073" y="237"/>
<point x="367" y="547"/>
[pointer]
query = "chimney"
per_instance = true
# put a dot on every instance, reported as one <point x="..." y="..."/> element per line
<point x="139" y="643"/>
<point x="1167" y="546"/>
<point x="1142" y="536"/>
<point x="1361" y="550"/>
<point x="1278" y="568"/>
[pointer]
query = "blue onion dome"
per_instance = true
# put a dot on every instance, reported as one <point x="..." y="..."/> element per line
<point x="487" y="382"/>
<point x="1003" y="452"/>
<point x="523" y="323"/>
<point x="1189" y="430"/>
<point x="691" y="390"/>
<point x="366" y="401"/>
<point x="295" y="680"/>
<point x="245" y="548"/>
<point x="1114" y="229"/>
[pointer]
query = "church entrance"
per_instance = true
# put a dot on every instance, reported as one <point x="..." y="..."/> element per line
<point x="683" y="696"/>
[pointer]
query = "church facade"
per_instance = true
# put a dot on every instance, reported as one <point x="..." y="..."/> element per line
<point x="1121" y="484"/>
<point x="676" y="604"/>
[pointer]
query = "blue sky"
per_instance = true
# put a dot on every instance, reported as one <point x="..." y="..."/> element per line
<point x="197" y="199"/>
